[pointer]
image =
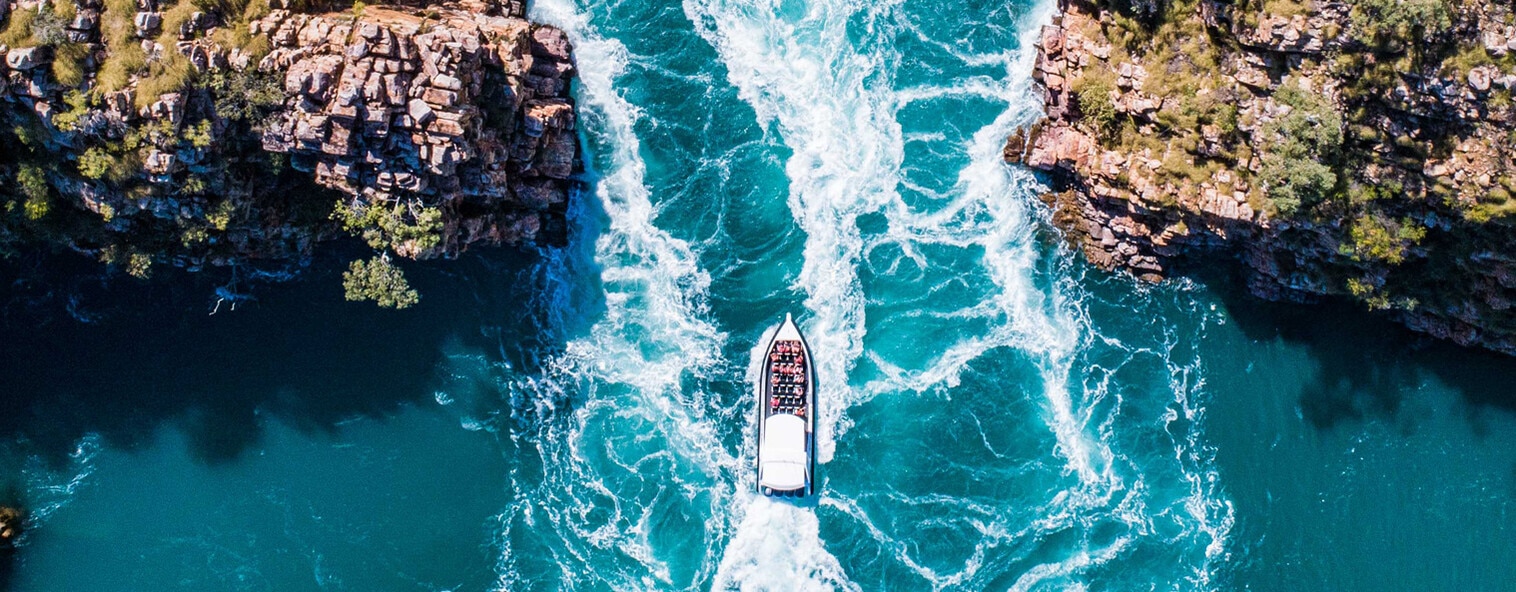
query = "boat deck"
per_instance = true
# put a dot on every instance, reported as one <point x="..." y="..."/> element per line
<point x="787" y="379"/>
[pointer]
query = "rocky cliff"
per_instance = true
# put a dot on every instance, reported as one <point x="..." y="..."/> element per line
<point x="210" y="132"/>
<point x="1359" y="150"/>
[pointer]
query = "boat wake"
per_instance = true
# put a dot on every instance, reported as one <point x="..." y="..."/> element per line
<point x="776" y="547"/>
<point x="639" y="445"/>
<point x="922" y="290"/>
<point x="877" y="230"/>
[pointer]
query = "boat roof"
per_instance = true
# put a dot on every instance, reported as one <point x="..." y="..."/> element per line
<point x="783" y="453"/>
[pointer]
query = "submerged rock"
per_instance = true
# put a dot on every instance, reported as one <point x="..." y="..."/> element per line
<point x="11" y="525"/>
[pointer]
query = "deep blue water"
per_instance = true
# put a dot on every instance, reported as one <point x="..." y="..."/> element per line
<point x="996" y="415"/>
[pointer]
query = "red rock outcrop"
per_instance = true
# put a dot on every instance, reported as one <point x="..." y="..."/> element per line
<point x="381" y="108"/>
<point x="431" y="126"/>
<point x="1180" y="143"/>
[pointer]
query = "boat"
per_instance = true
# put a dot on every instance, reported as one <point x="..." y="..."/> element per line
<point x="786" y="393"/>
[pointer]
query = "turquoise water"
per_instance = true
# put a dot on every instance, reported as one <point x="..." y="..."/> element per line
<point x="995" y="415"/>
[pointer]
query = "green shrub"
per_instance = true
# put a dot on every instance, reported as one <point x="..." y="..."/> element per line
<point x="68" y="64"/>
<point x="194" y="235"/>
<point x="95" y="163"/>
<point x="124" y="55"/>
<point x="1296" y="146"/>
<point x="34" y="188"/>
<point x="391" y="227"/>
<point x="199" y="135"/>
<point x="50" y="25"/>
<point x="246" y="96"/>
<point x="1312" y="120"/>
<point x="171" y="74"/>
<point x="78" y="106"/>
<point x="33" y="181"/>
<point x="1500" y="99"/>
<point x="37" y="208"/>
<point x="114" y="162"/>
<point x="221" y="217"/>
<point x="18" y="31"/>
<point x="379" y="281"/>
<point x="1361" y="194"/>
<point x="1223" y="114"/>
<point x="1399" y="24"/>
<point x="1465" y="59"/>
<point x="1360" y="288"/>
<point x="1485" y="212"/>
<point x="1376" y="239"/>
<point x="1295" y="183"/>
<point x="194" y="185"/>
<point x="1093" y="89"/>
<point x="139" y="265"/>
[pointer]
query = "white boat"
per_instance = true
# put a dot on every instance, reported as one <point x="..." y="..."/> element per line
<point x="786" y="393"/>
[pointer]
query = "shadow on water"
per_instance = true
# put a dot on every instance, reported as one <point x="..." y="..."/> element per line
<point x="1367" y="362"/>
<point x="152" y="353"/>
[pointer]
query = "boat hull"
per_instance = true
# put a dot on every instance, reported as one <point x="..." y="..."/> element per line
<point x="786" y="412"/>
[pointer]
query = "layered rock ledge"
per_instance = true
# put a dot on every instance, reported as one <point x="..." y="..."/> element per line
<point x="199" y="133"/>
<point x="1359" y="150"/>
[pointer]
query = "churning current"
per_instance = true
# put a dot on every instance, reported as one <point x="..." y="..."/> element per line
<point x="993" y="414"/>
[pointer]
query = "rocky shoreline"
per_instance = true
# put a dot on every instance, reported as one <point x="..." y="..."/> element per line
<point x="1314" y="142"/>
<point x="196" y="133"/>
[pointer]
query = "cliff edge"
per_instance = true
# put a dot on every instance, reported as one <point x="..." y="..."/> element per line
<point x="214" y="132"/>
<point x="1356" y="149"/>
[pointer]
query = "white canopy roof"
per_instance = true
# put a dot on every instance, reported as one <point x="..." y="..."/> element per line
<point x="782" y="452"/>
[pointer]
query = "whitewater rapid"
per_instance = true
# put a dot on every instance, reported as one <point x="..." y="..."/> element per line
<point x="834" y="104"/>
<point x="836" y="110"/>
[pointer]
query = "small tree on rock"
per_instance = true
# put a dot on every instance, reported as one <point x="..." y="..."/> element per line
<point x="380" y="281"/>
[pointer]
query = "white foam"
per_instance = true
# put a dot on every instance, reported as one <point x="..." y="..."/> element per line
<point x="775" y="550"/>
<point x="49" y="489"/>
<point x="804" y="76"/>
<point x="651" y="336"/>
<point x="801" y="74"/>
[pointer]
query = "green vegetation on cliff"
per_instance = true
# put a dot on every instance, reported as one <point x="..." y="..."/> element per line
<point x="379" y="281"/>
<point x="213" y="133"/>
<point x="1367" y="145"/>
<point x="170" y="167"/>
<point x="1301" y="147"/>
